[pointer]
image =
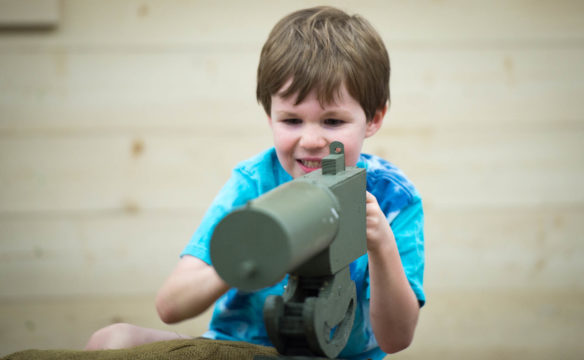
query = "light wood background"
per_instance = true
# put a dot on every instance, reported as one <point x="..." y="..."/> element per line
<point x="119" y="125"/>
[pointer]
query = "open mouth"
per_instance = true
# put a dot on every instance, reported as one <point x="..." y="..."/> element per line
<point x="311" y="164"/>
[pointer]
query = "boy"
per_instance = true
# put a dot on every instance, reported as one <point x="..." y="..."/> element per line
<point x="323" y="76"/>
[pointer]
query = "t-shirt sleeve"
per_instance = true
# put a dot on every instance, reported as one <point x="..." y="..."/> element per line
<point x="237" y="191"/>
<point x="408" y="229"/>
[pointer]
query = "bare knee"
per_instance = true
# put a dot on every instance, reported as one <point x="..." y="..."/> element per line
<point x="115" y="336"/>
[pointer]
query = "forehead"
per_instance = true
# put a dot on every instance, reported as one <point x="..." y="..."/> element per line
<point x="341" y="99"/>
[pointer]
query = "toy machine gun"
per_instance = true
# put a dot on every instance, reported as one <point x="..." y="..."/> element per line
<point x="311" y="228"/>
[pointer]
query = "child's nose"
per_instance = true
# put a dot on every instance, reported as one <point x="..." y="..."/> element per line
<point x="312" y="139"/>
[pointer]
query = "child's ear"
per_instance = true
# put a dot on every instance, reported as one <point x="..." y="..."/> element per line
<point x="375" y="124"/>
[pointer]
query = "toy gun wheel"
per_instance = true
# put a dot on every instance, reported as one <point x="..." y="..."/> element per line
<point x="315" y="316"/>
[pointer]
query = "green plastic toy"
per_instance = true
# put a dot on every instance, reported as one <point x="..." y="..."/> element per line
<point x="311" y="228"/>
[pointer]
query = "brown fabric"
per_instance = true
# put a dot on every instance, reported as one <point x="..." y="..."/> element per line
<point x="190" y="349"/>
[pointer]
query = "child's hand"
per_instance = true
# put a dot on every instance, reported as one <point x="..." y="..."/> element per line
<point x="394" y="308"/>
<point x="379" y="232"/>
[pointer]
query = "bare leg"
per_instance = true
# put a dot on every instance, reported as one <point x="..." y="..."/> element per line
<point x="120" y="336"/>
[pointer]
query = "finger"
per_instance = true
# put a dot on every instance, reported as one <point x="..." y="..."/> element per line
<point x="369" y="197"/>
<point x="371" y="211"/>
<point x="371" y="221"/>
<point x="372" y="206"/>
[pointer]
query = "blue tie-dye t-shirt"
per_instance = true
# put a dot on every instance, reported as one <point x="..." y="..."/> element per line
<point x="238" y="314"/>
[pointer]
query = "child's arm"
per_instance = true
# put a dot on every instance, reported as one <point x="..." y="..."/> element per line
<point x="393" y="305"/>
<point x="190" y="289"/>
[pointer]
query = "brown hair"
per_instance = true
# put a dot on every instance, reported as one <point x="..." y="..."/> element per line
<point x="321" y="48"/>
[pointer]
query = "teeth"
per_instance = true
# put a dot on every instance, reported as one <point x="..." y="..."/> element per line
<point x="311" y="164"/>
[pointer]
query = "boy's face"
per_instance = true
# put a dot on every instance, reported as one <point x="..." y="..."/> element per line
<point x="302" y="133"/>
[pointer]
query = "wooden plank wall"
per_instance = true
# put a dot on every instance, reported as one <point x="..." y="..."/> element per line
<point x="118" y="126"/>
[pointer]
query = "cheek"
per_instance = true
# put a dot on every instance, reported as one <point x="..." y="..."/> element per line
<point x="352" y="152"/>
<point x="282" y="141"/>
<point x="351" y="159"/>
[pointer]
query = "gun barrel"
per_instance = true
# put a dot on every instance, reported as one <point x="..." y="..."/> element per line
<point x="256" y="246"/>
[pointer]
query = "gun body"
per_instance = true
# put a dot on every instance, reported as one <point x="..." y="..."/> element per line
<point x="311" y="226"/>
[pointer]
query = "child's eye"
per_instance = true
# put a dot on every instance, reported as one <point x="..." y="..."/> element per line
<point x="292" y="121"/>
<point x="333" y="122"/>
